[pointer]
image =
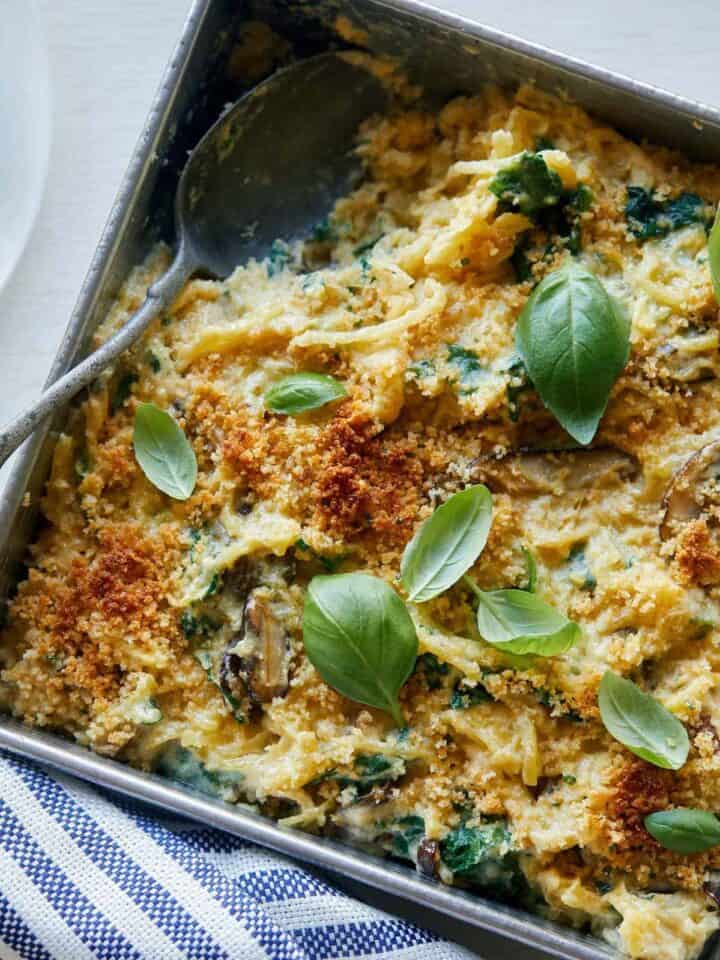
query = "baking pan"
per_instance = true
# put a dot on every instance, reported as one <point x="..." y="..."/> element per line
<point x="447" y="55"/>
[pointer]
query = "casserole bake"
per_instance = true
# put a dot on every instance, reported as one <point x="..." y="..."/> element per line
<point x="432" y="394"/>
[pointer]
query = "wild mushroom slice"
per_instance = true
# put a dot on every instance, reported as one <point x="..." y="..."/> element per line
<point x="692" y="489"/>
<point x="269" y="678"/>
<point x="257" y="661"/>
<point x="532" y="472"/>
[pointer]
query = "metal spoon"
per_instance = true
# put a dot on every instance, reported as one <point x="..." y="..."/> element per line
<point x="270" y="168"/>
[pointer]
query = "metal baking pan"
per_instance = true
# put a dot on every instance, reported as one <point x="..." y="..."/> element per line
<point x="447" y="55"/>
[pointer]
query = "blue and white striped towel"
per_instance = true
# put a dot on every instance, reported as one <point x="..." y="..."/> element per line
<point x="87" y="876"/>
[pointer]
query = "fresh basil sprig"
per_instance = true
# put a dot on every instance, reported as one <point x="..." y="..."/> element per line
<point x="574" y="340"/>
<point x="164" y="452"/>
<point x="360" y="638"/>
<point x="714" y="255"/>
<point x="300" y="392"/>
<point x="642" y="724"/>
<point x="520" y="622"/>
<point x="684" y="829"/>
<point x="447" y="544"/>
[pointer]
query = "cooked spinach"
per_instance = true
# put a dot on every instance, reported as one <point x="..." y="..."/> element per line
<point x="213" y="587"/>
<point x="278" y="258"/>
<point x="527" y="185"/>
<point x="432" y="670"/>
<point x="367" y="245"/>
<point x="179" y="764"/>
<point x="580" y="573"/>
<point x="194" y="626"/>
<point x="649" y="217"/>
<point x="483" y="856"/>
<point x="518" y="383"/>
<point x="204" y="658"/>
<point x="520" y="263"/>
<point x="464" y="697"/>
<point x="331" y="564"/>
<point x="323" y="231"/>
<point x="411" y="831"/>
<point x="470" y="372"/>
<point x="369" y="771"/>
<point x="421" y="369"/>
<point x="122" y="391"/>
<point x="153" y="361"/>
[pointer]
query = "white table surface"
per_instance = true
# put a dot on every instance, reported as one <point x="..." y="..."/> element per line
<point x="106" y="60"/>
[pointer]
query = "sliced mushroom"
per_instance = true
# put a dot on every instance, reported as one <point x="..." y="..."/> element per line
<point x="690" y="356"/>
<point x="257" y="662"/>
<point x="694" y="488"/>
<point x="712" y="890"/>
<point x="428" y="854"/>
<point x="531" y="472"/>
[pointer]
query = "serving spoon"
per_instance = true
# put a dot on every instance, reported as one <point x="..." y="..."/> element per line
<point x="271" y="167"/>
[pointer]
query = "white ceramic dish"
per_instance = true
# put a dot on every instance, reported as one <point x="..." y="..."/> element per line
<point x="24" y="126"/>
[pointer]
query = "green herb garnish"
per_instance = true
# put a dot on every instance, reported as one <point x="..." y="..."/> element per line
<point x="684" y="829"/>
<point x="574" y="340"/>
<point x="300" y="392"/>
<point x="360" y="638"/>
<point x="163" y="452"/>
<point x="642" y="724"/>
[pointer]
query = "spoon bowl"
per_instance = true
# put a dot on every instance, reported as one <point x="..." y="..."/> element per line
<point x="270" y="168"/>
<point x="275" y="164"/>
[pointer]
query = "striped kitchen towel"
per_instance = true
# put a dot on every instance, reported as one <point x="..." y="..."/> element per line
<point x="89" y="876"/>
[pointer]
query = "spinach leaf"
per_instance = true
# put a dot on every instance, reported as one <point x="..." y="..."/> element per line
<point x="164" y="452"/>
<point x="360" y="638"/>
<point x="278" y="258"/>
<point x="580" y="573"/>
<point x="483" y="856"/>
<point x="684" y="829"/>
<point x="433" y="670"/>
<point x="649" y="217"/>
<point x="406" y="832"/>
<point x="372" y="770"/>
<point x="527" y="185"/>
<point x="714" y="255"/>
<point x="642" y="724"/>
<point x="447" y="544"/>
<point x="520" y="263"/>
<point x="470" y="371"/>
<point x="574" y="340"/>
<point x="204" y="658"/>
<point x="122" y="391"/>
<point x="464" y="697"/>
<point x="421" y="369"/>
<point x="520" y="622"/>
<point x="300" y="392"/>
<point x="329" y="563"/>
<point x="517" y="384"/>
<point x="178" y="763"/>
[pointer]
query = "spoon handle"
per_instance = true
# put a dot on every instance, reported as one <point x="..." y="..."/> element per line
<point x="160" y="296"/>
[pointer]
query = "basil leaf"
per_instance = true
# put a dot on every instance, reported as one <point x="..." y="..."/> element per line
<point x="300" y="392"/>
<point x="642" y="724"/>
<point x="447" y="544"/>
<point x="359" y="637"/>
<point x="164" y="452"/>
<point x="714" y="255"/>
<point x="520" y="622"/>
<point x="574" y="340"/>
<point x="684" y="830"/>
